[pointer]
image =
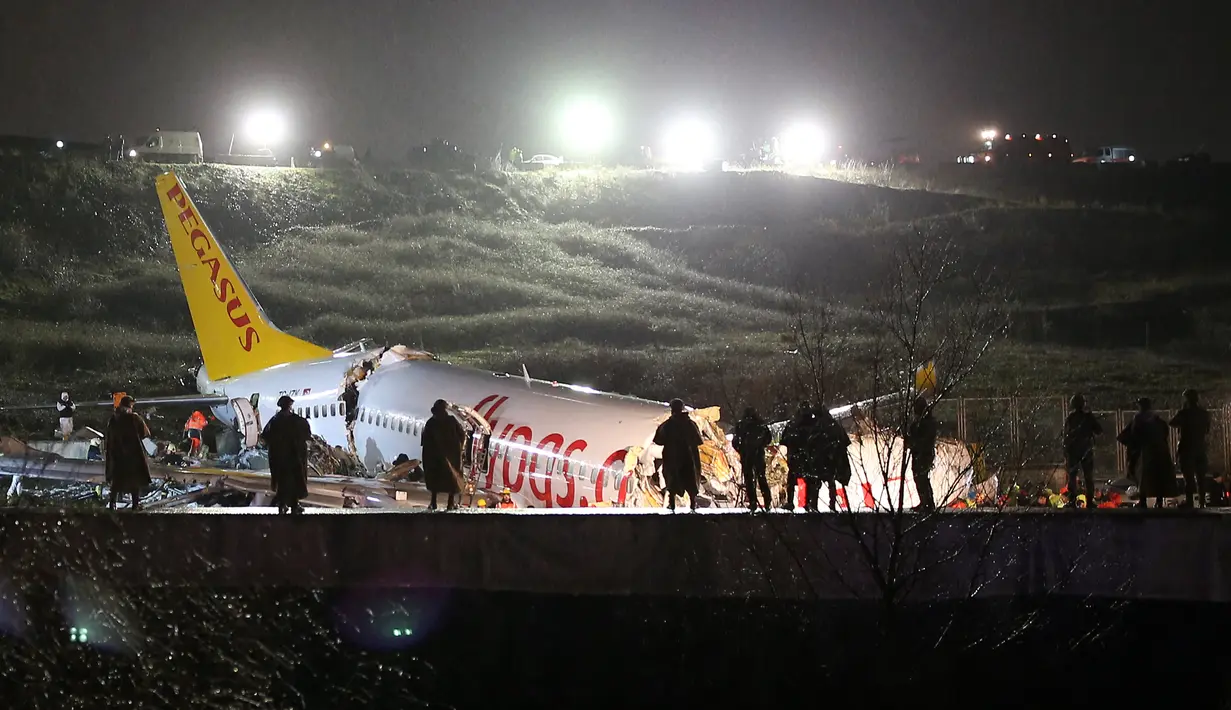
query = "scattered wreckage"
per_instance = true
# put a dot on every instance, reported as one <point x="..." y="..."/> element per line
<point x="338" y="478"/>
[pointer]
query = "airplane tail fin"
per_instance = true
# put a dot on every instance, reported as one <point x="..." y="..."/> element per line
<point x="235" y="336"/>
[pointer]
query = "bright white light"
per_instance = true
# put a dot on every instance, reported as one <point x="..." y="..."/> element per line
<point x="987" y="158"/>
<point x="266" y="128"/>
<point x="989" y="134"/>
<point x="802" y="144"/>
<point x="59" y="144"/>
<point x="132" y="153"/>
<point x="690" y="143"/>
<point x="324" y="147"/>
<point x="587" y="127"/>
<point x="316" y="154"/>
<point x="1132" y="158"/>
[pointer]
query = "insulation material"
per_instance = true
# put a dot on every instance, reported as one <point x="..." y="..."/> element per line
<point x="398" y="353"/>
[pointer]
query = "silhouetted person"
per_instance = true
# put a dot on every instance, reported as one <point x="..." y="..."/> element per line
<point x="350" y="400"/>
<point x="65" y="408"/>
<point x="127" y="470"/>
<point x="1193" y="423"/>
<point x="1080" y="429"/>
<point x="681" y="442"/>
<point x="286" y="438"/>
<point x="752" y="435"/>
<point x="1146" y="438"/>
<point x="795" y="439"/>
<point x="443" y="441"/>
<point x="827" y="458"/>
<point x="921" y="442"/>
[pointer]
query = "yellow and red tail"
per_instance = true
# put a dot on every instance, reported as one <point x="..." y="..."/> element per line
<point x="235" y="336"/>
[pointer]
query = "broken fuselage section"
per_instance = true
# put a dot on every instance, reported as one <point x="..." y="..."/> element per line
<point x="551" y="444"/>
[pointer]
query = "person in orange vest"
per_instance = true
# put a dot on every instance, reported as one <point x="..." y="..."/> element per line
<point x="506" y="499"/>
<point x="194" y="426"/>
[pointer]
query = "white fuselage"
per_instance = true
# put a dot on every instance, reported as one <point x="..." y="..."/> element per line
<point x="553" y="445"/>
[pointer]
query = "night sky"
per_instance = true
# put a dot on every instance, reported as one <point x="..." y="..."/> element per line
<point x="392" y="73"/>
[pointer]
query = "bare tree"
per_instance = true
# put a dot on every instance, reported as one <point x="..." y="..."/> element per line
<point x="931" y="324"/>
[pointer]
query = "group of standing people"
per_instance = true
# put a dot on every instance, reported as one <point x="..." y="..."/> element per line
<point x="1146" y="439"/>
<point x="816" y="450"/>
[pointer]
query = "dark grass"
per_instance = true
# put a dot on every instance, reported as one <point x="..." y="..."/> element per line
<point x="639" y="282"/>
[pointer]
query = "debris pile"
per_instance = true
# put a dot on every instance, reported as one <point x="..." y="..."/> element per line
<point x="324" y="460"/>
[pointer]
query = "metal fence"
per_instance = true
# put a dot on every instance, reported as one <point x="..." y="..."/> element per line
<point x="1027" y="432"/>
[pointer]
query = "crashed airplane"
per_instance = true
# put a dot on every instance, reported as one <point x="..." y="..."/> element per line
<point x="552" y="445"/>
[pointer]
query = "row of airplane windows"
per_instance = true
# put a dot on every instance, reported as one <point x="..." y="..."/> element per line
<point x="402" y="425"/>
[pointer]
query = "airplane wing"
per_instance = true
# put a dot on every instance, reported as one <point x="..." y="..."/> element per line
<point x="208" y="399"/>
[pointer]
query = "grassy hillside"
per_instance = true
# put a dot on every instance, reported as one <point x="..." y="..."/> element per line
<point x="642" y="282"/>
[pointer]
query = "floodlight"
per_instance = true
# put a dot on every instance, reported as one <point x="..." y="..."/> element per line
<point x="689" y="143"/>
<point x="802" y="144"/>
<point x="587" y="127"/>
<point x="989" y="134"/>
<point x="266" y="127"/>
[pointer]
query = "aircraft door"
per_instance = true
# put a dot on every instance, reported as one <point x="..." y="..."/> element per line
<point x="248" y="422"/>
<point x="478" y="433"/>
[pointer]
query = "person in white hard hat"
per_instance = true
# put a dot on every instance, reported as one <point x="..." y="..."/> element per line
<point x="65" y="408"/>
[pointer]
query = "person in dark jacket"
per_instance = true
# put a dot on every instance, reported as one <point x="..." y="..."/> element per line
<point x="286" y="437"/>
<point x="681" y="462"/>
<point x="350" y="400"/>
<point x="751" y="437"/>
<point x="827" y="458"/>
<point x="1193" y="423"/>
<point x="921" y="442"/>
<point x="65" y="408"/>
<point x="1146" y="438"/>
<point x="127" y="469"/>
<point x="1080" y="429"/>
<point x="443" y="441"/>
<point x="795" y="439"/>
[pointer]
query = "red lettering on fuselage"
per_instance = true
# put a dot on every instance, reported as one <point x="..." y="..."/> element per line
<point x="224" y="290"/>
<point x="534" y="460"/>
<point x="540" y="463"/>
<point x="570" y="479"/>
<point x="526" y="435"/>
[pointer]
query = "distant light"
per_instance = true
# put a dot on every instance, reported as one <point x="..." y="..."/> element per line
<point x="1038" y="136"/>
<point x="59" y="144"/>
<point x="316" y="154"/>
<point x="1049" y="155"/>
<point x="587" y="127"/>
<point x="1053" y="135"/>
<point x="266" y="127"/>
<point x="987" y="158"/>
<point x="1132" y="158"/>
<point x="403" y="632"/>
<point x="132" y="153"/>
<point x="802" y="144"/>
<point x="690" y="143"/>
<point x="989" y="134"/>
<point x="325" y="147"/>
<point x="1008" y="137"/>
<point x="78" y="635"/>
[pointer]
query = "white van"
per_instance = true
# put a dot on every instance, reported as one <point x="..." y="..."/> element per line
<point x="168" y="147"/>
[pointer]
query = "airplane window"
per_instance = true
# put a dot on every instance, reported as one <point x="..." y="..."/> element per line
<point x="384" y="421"/>
<point x="316" y="411"/>
<point x="342" y="409"/>
<point x="333" y="410"/>
<point x="401" y="426"/>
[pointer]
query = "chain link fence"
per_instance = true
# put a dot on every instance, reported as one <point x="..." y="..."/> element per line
<point x="1025" y="433"/>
